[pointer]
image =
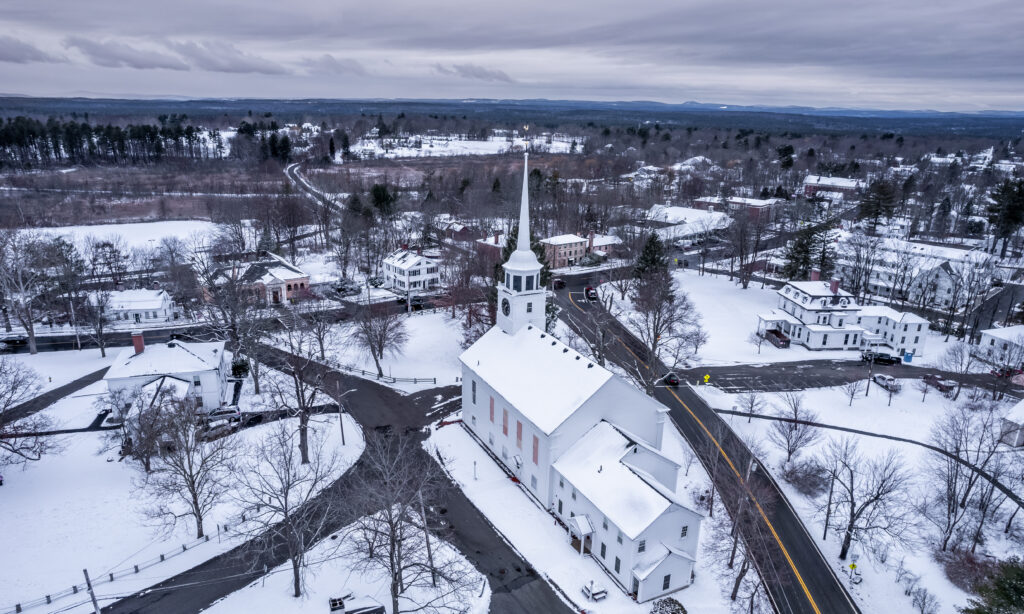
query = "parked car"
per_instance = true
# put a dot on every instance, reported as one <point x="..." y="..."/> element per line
<point x="590" y="293"/>
<point x="230" y="412"/>
<point x="216" y="429"/>
<point x="944" y="386"/>
<point x="879" y="358"/>
<point x="415" y="301"/>
<point x="888" y="382"/>
<point x="558" y="283"/>
<point x="671" y="379"/>
<point x="1005" y="372"/>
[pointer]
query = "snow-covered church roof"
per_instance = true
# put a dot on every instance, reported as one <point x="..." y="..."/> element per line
<point x="544" y="379"/>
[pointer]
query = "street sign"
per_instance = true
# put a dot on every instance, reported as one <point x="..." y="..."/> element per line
<point x="707" y="378"/>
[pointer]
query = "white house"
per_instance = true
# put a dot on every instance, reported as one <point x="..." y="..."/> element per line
<point x="406" y="271"/>
<point x="138" y="306"/>
<point x="820" y="315"/>
<point x="585" y="443"/>
<point x="1003" y="346"/>
<point x="202" y="366"/>
<point x="1012" y="428"/>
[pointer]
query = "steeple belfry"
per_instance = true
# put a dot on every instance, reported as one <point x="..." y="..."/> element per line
<point x="520" y="296"/>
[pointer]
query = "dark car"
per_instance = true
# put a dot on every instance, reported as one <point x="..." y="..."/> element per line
<point x="1005" y="372"/>
<point x="558" y="283"/>
<point x="671" y="379"/>
<point x="944" y="386"/>
<point x="879" y="358"/>
<point x="590" y="293"/>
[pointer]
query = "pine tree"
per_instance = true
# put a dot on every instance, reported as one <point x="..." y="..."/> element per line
<point x="1006" y="214"/>
<point x="266" y="243"/>
<point x="331" y="148"/>
<point x="878" y="202"/>
<point x="1002" y="594"/>
<point x="652" y="258"/>
<point x="799" y="255"/>
<point x="825" y="252"/>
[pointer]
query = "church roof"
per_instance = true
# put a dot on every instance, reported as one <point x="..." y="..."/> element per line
<point x="541" y="377"/>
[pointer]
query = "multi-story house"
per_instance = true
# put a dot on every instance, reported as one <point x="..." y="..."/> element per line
<point x="410" y="272"/>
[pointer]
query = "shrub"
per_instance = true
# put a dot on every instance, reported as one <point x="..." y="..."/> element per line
<point x="809" y="477"/>
<point x="967" y="571"/>
<point x="667" y="605"/>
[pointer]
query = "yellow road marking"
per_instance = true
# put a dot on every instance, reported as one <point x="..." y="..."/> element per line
<point x="767" y="522"/>
<point x="632" y="352"/>
<point x="574" y="303"/>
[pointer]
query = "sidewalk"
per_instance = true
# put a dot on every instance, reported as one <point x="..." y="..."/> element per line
<point x="52" y="396"/>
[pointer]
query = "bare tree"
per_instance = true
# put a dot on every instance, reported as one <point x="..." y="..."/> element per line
<point x="193" y="474"/>
<point x="97" y="317"/>
<point x="19" y="438"/>
<point x="791" y="434"/>
<point x="923" y="387"/>
<point x="143" y="419"/>
<point x="851" y="390"/>
<point x="280" y="495"/>
<point x="320" y="319"/>
<point x="757" y="340"/>
<point x="660" y="319"/>
<point x="380" y="331"/>
<point x="391" y="496"/>
<point x="870" y="494"/>
<point x="752" y="403"/>
<point x="22" y="278"/>
<point x="958" y="359"/>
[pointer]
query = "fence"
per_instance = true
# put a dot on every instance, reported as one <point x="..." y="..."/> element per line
<point x="111" y="576"/>
<point x="387" y="378"/>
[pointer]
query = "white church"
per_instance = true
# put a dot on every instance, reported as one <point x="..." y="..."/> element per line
<point x="587" y="444"/>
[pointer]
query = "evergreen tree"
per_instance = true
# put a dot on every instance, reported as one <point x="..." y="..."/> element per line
<point x="825" y="252"/>
<point x="1006" y="214"/>
<point x="331" y="148"/>
<point x="799" y="255"/>
<point x="878" y="202"/>
<point x="345" y="145"/>
<point x="1001" y="594"/>
<point x="383" y="199"/>
<point x="266" y="243"/>
<point x="652" y="258"/>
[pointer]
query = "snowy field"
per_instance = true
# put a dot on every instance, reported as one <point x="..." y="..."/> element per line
<point x="534" y="534"/>
<point x="907" y="417"/>
<point x="135" y="235"/>
<point x="329" y="575"/>
<point x="81" y="508"/>
<point x="432" y="350"/>
<point x="59" y="368"/>
<point x="729" y="315"/>
<point x="456" y="146"/>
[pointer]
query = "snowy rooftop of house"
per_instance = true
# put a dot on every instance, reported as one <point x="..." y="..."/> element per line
<point x="833" y="182"/>
<point x="270" y="268"/>
<point x="686" y="215"/>
<point x="564" y="240"/>
<point x="540" y="376"/>
<point x="404" y="259"/>
<point x="174" y="386"/>
<point x="1016" y="413"/>
<point x="489" y="240"/>
<point x="167" y="359"/>
<point x="133" y="299"/>
<point x="655" y="554"/>
<point x="1009" y="333"/>
<point x="815" y="289"/>
<point x="604" y="240"/>
<point x="593" y="466"/>
<point x="884" y="311"/>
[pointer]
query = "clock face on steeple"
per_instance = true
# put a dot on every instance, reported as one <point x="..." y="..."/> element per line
<point x="505" y="306"/>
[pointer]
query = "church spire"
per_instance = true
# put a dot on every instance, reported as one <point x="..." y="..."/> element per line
<point x="523" y="242"/>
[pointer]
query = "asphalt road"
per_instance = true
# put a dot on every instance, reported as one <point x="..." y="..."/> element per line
<point x="798" y="578"/>
<point x="515" y="587"/>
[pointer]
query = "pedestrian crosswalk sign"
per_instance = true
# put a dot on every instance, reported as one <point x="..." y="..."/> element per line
<point x="853" y="566"/>
<point x="707" y="378"/>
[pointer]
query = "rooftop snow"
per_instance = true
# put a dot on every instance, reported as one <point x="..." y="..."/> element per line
<point x="834" y="182"/>
<point x="1009" y="333"/>
<point x="593" y="466"/>
<point x="404" y="259"/>
<point x="538" y="375"/>
<point x="134" y="299"/>
<point x="167" y="359"/>
<point x="563" y="240"/>
<point x="884" y="311"/>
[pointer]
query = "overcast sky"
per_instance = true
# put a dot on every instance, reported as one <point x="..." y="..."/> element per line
<point x="896" y="54"/>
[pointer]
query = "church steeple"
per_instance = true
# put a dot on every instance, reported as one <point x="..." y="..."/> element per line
<point x="520" y="296"/>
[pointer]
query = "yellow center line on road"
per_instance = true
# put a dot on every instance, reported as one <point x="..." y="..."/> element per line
<point x="764" y="517"/>
<point x="574" y="302"/>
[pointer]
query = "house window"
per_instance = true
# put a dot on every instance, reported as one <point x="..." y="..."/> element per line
<point x="642" y="546"/>
<point x="618" y="538"/>
<point x="919" y="327"/>
<point x="472" y="386"/>
<point x="824" y="339"/>
<point x="559" y="506"/>
<point x="573" y="494"/>
<point x="666" y="582"/>
<point x="529" y="308"/>
<point x="519" y="434"/>
<point x="617" y="564"/>
<point x="604" y="522"/>
<point x="604" y="550"/>
<point x="199" y="401"/>
<point x="561" y="482"/>
<point x="504" y="422"/>
<point x="533" y="482"/>
<point x="536" y="449"/>
<point x="684" y="531"/>
<point x="196" y="382"/>
<point x="504" y="453"/>
<point x="916" y="339"/>
<point x="846" y="339"/>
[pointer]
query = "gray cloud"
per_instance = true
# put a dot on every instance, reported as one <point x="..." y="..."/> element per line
<point x="19" y="52"/>
<point x="473" y="71"/>
<point x="219" y="56"/>
<point x="113" y="54"/>
<point x="328" y="64"/>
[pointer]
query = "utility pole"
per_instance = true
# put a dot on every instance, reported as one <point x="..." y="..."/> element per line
<point x="828" y="508"/>
<point x="426" y="534"/>
<point x="92" y="595"/>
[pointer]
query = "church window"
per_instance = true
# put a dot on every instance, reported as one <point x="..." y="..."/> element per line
<point x="533" y="482"/>
<point x="529" y="308"/>
<point x="519" y="434"/>
<point x="490" y="439"/>
<point x="492" y="410"/>
<point x="686" y="529"/>
<point x="517" y="282"/>
<point x="561" y="482"/>
<point x="536" y="449"/>
<point x="641" y="546"/>
<point x="504" y="422"/>
<point x="617" y="564"/>
<point x="666" y="582"/>
<point x="472" y="385"/>
<point x="529" y="282"/>
<point x="507" y="278"/>
<point x="473" y="418"/>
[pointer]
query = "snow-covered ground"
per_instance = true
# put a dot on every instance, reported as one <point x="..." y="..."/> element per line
<point x="535" y="535"/>
<point x="59" y="368"/>
<point x="729" y="315"/>
<point x="456" y="145"/>
<point x="329" y="575"/>
<point x="135" y="235"/>
<point x="81" y="508"/>
<point x="432" y="350"/>
<point x="907" y="417"/>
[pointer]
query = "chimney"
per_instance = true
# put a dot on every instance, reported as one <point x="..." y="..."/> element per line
<point x="138" y="342"/>
<point x="419" y="250"/>
<point x="590" y="242"/>
<point x="405" y="246"/>
<point x="496" y="235"/>
<point x="834" y="285"/>
<point x="815" y="274"/>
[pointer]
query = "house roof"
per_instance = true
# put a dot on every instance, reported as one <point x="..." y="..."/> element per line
<point x="563" y="240"/>
<point x="175" y="386"/>
<point x="1008" y="333"/>
<point x="270" y="268"/>
<point x="833" y="182"/>
<point x="169" y="358"/>
<point x="125" y="300"/>
<point x="884" y="311"/>
<point x="655" y="555"/>
<point x="541" y="377"/>
<point x="593" y="466"/>
<point x="1016" y="413"/>
<point x="404" y="259"/>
